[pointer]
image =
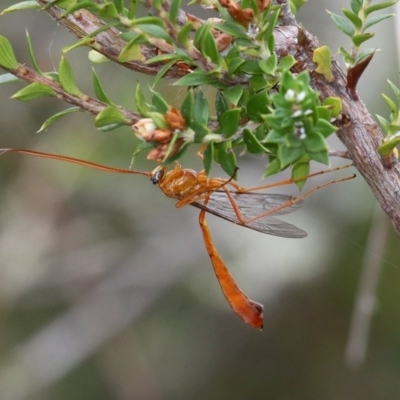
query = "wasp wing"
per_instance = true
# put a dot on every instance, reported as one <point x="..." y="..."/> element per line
<point x="252" y="205"/>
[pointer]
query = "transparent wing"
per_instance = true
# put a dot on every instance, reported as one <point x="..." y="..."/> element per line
<point x="252" y="205"/>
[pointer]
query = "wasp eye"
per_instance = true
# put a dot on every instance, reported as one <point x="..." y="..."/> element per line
<point x="157" y="175"/>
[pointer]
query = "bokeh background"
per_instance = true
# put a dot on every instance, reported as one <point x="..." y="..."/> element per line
<point x="106" y="289"/>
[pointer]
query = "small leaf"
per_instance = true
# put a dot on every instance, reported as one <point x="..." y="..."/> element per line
<point x="273" y="168"/>
<point x="324" y="127"/>
<point x="257" y="106"/>
<point x="184" y="34"/>
<point x="67" y="79"/>
<point x="7" y="57"/>
<point x="174" y="10"/>
<point x="387" y="148"/>
<point x="376" y="19"/>
<point x="23" y="5"/>
<point x="390" y="103"/>
<point x="335" y="104"/>
<point x="227" y="157"/>
<point x="321" y="157"/>
<point x="323" y="58"/>
<point x="208" y="157"/>
<point x="269" y="65"/>
<point x="300" y="170"/>
<point x="343" y="24"/>
<point x="229" y="121"/>
<point x="34" y="91"/>
<point x="253" y="145"/>
<point x="201" y="109"/>
<point x="289" y="155"/>
<point x="221" y="104"/>
<point x="140" y="101"/>
<point x="233" y="94"/>
<point x="8" y="78"/>
<point x="32" y="54"/>
<point x="358" y="40"/>
<point x="200" y="132"/>
<point x="187" y="107"/>
<point x="97" y="58"/>
<point x="110" y="115"/>
<point x="98" y="88"/>
<point x="108" y="10"/>
<point x="315" y="142"/>
<point x="159" y="103"/>
<point x="353" y="18"/>
<point x="195" y="78"/>
<point x="356" y="6"/>
<point x="132" y="50"/>
<point x="379" y="6"/>
<point x="56" y="117"/>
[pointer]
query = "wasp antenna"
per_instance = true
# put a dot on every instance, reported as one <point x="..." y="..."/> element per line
<point x="73" y="160"/>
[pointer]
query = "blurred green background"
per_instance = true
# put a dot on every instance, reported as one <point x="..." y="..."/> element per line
<point x="106" y="289"/>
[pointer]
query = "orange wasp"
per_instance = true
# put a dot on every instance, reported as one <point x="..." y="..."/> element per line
<point x="238" y="205"/>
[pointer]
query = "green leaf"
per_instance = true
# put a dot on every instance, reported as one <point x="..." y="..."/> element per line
<point x="273" y="168"/>
<point x="162" y="72"/>
<point x="356" y="6"/>
<point x="110" y="115"/>
<point x="233" y="94"/>
<point x="324" y="127"/>
<point x="174" y="10"/>
<point x="56" y="117"/>
<point x="159" y="103"/>
<point x="140" y="101"/>
<point x="335" y="105"/>
<point x="363" y="37"/>
<point x="7" y="57"/>
<point x="269" y="65"/>
<point x="187" y="106"/>
<point x="253" y="145"/>
<point x="208" y="157"/>
<point x="221" y="104"/>
<point x="23" y="5"/>
<point x="315" y="142"/>
<point x="323" y="58"/>
<point x="195" y="78"/>
<point x="67" y="79"/>
<point x="200" y="131"/>
<point x="372" y="20"/>
<point x="233" y="29"/>
<point x="132" y="50"/>
<point x="32" y="54"/>
<point x="107" y="10"/>
<point x="379" y="6"/>
<point x="97" y="58"/>
<point x="226" y="157"/>
<point x="395" y="89"/>
<point x="34" y="91"/>
<point x="8" y="78"/>
<point x="201" y="109"/>
<point x="257" y="106"/>
<point x="386" y="148"/>
<point x="158" y="119"/>
<point x="322" y="156"/>
<point x="353" y="18"/>
<point x="286" y="63"/>
<point x="98" y="88"/>
<point x="390" y="103"/>
<point x="289" y="155"/>
<point x="343" y="24"/>
<point x="229" y="121"/>
<point x="300" y="170"/>
<point x="184" y="34"/>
